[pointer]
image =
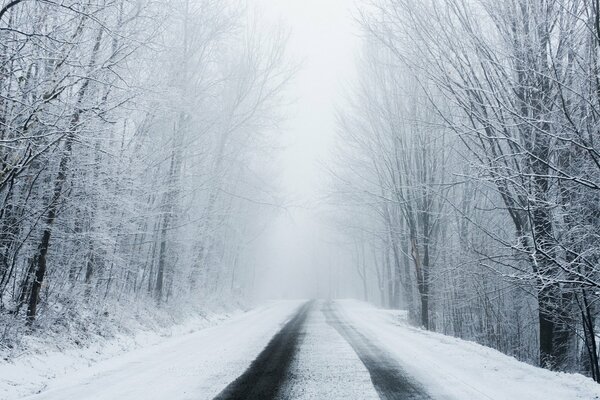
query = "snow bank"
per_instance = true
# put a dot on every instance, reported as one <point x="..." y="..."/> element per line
<point x="455" y="369"/>
<point x="192" y="363"/>
<point x="31" y="371"/>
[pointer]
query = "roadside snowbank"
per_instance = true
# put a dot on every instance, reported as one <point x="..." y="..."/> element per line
<point x="455" y="369"/>
<point x="31" y="371"/>
<point x="194" y="365"/>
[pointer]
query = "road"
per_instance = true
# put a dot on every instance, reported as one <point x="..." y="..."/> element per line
<point x="294" y="350"/>
<point x="389" y="379"/>
<point x="269" y="376"/>
<point x="317" y="350"/>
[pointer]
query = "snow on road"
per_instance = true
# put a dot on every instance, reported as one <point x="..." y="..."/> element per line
<point x="326" y="366"/>
<point x="454" y="369"/>
<point x="195" y="366"/>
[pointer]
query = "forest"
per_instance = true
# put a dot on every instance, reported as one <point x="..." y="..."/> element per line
<point x="467" y="173"/>
<point x="139" y="167"/>
<point x="132" y="135"/>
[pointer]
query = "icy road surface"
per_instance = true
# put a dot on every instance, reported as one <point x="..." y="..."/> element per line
<point x="318" y="350"/>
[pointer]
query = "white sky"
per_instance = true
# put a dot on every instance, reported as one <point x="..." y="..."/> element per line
<point x="324" y="38"/>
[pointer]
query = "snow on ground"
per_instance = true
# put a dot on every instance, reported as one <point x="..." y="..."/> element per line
<point x="200" y="364"/>
<point x="326" y="366"/>
<point x="30" y="371"/>
<point x="29" y="361"/>
<point x="186" y="366"/>
<point x="454" y="369"/>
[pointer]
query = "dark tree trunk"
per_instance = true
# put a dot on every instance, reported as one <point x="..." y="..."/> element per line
<point x="40" y="261"/>
<point x="160" y="273"/>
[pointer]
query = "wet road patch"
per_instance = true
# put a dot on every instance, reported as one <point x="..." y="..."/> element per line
<point x="267" y="373"/>
<point x="388" y="377"/>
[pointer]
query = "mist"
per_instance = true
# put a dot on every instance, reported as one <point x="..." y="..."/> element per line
<point x="314" y="173"/>
<point x="297" y="252"/>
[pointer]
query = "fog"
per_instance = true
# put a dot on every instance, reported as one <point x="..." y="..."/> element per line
<point x="298" y="254"/>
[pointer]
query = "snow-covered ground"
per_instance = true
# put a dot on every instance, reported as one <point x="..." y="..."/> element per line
<point x="454" y="369"/>
<point x="37" y="363"/>
<point x="183" y="366"/>
<point x="198" y="365"/>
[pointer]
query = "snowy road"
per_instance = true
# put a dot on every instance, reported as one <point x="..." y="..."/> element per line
<point x="317" y="350"/>
<point x="388" y="377"/>
<point x="268" y="372"/>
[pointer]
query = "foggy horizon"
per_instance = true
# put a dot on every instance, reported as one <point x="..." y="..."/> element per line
<point x="323" y="41"/>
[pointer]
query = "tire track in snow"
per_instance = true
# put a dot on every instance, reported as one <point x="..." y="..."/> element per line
<point x="265" y="376"/>
<point x="390" y="380"/>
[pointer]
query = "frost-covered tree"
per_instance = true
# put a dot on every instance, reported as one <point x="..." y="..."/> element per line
<point x="134" y="139"/>
<point x="501" y="98"/>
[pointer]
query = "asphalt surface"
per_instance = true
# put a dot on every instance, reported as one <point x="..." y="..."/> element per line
<point x="267" y="373"/>
<point x="266" y="377"/>
<point x="388" y="377"/>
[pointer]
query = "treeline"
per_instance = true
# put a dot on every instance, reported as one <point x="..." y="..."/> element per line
<point x="133" y="140"/>
<point x="469" y="168"/>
